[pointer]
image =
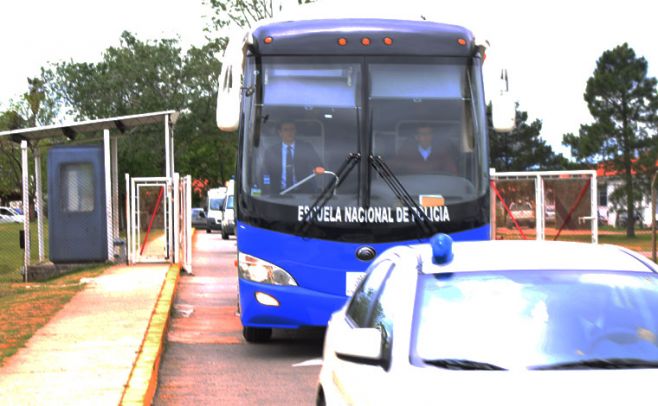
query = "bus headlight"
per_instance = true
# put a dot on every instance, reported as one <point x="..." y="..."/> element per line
<point x="256" y="270"/>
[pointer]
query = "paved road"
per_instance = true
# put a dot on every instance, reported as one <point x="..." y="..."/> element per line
<point x="206" y="360"/>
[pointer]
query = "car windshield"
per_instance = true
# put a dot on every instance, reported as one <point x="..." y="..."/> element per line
<point x="215" y="204"/>
<point x="536" y="320"/>
<point x="520" y="206"/>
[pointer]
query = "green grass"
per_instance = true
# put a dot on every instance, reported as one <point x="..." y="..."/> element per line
<point x="11" y="255"/>
<point x="28" y="307"/>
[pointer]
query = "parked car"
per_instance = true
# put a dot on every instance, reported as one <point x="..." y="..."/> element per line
<point x="517" y="323"/>
<point x="549" y="214"/>
<point x="622" y="219"/>
<point x="10" y="215"/>
<point x="523" y="213"/>
<point x="228" y="220"/>
<point x="199" y="220"/>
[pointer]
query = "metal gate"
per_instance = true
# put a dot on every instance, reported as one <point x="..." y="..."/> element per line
<point x="149" y="220"/>
<point x="544" y="205"/>
<point x="159" y="213"/>
<point x="185" y="220"/>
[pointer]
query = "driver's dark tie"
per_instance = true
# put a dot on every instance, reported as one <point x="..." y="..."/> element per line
<point x="289" y="167"/>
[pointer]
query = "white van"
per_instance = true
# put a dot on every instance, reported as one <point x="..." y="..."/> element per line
<point x="228" y="221"/>
<point x="215" y="208"/>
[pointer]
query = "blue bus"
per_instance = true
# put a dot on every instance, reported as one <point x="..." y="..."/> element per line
<point x="354" y="135"/>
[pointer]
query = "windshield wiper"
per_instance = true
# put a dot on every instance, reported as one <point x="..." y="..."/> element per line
<point x="345" y="168"/>
<point x="463" y="364"/>
<point x="600" y="363"/>
<point x="392" y="181"/>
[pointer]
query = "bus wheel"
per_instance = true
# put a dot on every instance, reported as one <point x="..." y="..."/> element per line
<point x="256" y="335"/>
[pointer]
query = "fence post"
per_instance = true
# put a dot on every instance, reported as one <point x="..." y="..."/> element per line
<point x="653" y="216"/>
<point x="26" y="207"/>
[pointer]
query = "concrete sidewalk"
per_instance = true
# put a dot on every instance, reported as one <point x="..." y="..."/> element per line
<point x="102" y="348"/>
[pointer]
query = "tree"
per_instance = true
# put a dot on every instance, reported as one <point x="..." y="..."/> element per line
<point x="243" y="13"/>
<point x="522" y="149"/>
<point x="623" y="102"/>
<point x="33" y="108"/>
<point x="10" y="162"/>
<point x="140" y="77"/>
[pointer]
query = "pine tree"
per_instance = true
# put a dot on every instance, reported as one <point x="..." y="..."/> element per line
<point x="623" y="102"/>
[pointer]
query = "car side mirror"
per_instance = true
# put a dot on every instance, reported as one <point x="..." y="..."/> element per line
<point x="360" y="345"/>
<point x="202" y="215"/>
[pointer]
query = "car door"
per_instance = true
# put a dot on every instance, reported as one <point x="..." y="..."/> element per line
<point x="7" y="216"/>
<point x="354" y="381"/>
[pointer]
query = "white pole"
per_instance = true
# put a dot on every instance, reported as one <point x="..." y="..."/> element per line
<point x="167" y="195"/>
<point x="168" y="219"/>
<point x="176" y="217"/>
<point x="188" y="223"/>
<point x="26" y="207"/>
<point x="168" y="171"/>
<point x="38" y="204"/>
<point x="492" y="204"/>
<point x="539" y="207"/>
<point x="595" y="209"/>
<point x="115" y="188"/>
<point x="108" y="195"/>
<point x="171" y="144"/>
<point x="128" y="221"/>
<point x="134" y="221"/>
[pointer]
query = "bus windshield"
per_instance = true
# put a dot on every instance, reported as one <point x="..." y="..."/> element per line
<point x="419" y="115"/>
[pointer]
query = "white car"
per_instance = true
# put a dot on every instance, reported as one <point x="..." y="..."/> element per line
<point x="9" y="215"/>
<point x="496" y="323"/>
<point x="228" y="219"/>
<point x="523" y="213"/>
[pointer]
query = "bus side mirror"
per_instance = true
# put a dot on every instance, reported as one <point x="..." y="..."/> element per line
<point x="503" y="108"/>
<point x="228" y="99"/>
<point x="227" y="114"/>
<point x="503" y="113"/>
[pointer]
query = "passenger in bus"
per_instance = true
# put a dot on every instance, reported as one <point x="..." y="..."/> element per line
<point x="427" y="155"/>
<point x="289" y="161"/>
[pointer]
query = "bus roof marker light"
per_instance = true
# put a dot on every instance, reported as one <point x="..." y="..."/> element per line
<point x="388" y="41"/>
<point x="441" y="249"/>
<point x="342" y="41"/>
<point x="461" y="41"/>
<point x="365" y="41"/>
<point x="268" y="40"/>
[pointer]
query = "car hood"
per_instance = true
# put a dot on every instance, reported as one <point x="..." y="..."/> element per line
<point x="573" y="387"/>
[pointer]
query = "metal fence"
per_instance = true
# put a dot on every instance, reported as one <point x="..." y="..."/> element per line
<point x="553" y="205"/>
<point x="72" y="211"/>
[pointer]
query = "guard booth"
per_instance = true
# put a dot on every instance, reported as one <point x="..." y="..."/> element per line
<point x="85" y="219"/>
<point x="77" y="222"/>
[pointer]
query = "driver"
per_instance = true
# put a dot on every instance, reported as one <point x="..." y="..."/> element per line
<point x="427" y="154"/>
<point x="289" y="161"/>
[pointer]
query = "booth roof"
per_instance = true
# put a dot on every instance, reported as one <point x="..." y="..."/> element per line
<point x="70" y="130"/>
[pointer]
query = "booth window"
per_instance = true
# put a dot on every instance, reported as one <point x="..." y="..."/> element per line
<point x="77" y="187"/>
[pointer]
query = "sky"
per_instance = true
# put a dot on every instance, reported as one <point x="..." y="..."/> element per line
<point x="549" y="48"/>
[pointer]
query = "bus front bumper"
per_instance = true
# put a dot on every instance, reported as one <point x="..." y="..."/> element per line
<point x="295" y="306"/>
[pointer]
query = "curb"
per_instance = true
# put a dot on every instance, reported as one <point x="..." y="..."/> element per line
<point x="143" y="379"/>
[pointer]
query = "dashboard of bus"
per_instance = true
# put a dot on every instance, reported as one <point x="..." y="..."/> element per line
<point x="346" y="147"/>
